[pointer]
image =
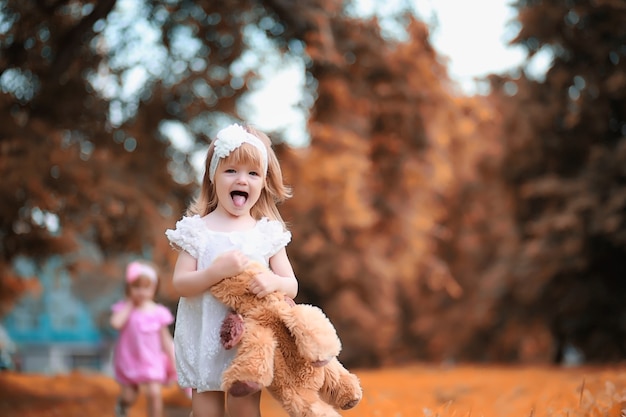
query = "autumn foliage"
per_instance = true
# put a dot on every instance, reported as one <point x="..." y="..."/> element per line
<point x="428" y="225"/>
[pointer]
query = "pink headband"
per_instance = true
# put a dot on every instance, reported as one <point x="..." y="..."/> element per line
<point x="136" y="269"/>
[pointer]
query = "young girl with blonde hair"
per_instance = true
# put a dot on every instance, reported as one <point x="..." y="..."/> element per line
<point x="234" y="220"/>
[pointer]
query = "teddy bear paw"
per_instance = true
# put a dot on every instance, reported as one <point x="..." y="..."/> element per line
<point x="243" y="388"/>
<point x="320" y="363"/>
<point x="350" y="404"/>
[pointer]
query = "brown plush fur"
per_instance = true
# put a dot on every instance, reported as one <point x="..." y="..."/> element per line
<point x="290" y="349"/>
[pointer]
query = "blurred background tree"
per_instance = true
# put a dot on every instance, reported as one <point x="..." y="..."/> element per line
<point x="565" y="167"/>
<point x="428" y="225"/>
<point x="87" y="90"/>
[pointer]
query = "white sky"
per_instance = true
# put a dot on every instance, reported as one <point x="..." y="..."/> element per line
<point x="471" y="34"/>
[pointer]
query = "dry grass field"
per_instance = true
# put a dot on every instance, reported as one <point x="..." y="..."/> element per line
<point x="410" y="391"/>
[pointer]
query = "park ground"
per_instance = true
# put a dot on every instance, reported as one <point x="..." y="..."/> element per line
<point x="408" y="391"/>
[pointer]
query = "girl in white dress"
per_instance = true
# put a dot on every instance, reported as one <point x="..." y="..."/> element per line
<point x="233" y="221"/>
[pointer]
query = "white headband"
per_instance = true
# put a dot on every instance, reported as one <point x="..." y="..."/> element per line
<point x="229" y="139"/>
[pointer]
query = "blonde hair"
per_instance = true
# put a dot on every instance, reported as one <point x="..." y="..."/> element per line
<point x="274" y="190"/>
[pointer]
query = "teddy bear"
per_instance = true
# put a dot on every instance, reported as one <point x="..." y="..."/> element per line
<point x="290" y="349"/>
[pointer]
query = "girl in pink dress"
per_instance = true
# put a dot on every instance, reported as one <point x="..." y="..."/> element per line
<point x="144" y="353"/>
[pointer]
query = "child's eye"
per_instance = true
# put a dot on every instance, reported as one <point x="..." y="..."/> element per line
<point x="229" y="170"/>
<point x="255" y="173"/>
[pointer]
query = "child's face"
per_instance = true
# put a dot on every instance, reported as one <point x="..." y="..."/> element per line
<point x="141" y="290"/>
<point x="238" y="186"/>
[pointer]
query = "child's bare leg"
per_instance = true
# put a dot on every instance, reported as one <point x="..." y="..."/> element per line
<point x="248" y="406"/>
<point x="207" y="404"/>
<point x="128" y="396"/>
<point x="154" y="399"/>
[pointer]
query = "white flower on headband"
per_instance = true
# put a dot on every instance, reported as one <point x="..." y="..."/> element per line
<point x="229" y="139"/>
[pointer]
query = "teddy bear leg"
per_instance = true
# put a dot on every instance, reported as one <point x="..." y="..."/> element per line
<point x="301" y="402"/>
<point x="341" y="389"/>
<point x="315" y="336"/>
<point x="253" y="366"/>
<point x="244" y="388"/>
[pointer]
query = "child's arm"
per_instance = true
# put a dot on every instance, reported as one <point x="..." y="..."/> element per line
<point x="167" y="342"/>
<point x="120" y="317"/>
<point x="188" y="281"/>
<point x="281" y="278"/>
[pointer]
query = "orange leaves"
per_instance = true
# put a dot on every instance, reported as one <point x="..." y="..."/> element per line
<point x="337" y="173"/>
<point x="12" y="287"/>
<point x="388" y="203"/>
<point x="409" y="390"/>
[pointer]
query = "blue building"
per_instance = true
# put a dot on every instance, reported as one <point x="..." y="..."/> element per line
<point x="55" y="329"/>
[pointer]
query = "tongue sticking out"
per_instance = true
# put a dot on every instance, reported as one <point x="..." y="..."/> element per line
<point x="239" y="200"/>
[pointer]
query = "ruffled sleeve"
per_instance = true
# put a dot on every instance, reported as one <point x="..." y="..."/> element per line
<point x="165" y="316"/>
<point x="275" y="234"/>
<point x="187" y="235"/>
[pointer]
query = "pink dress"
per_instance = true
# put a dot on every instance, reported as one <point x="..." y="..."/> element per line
<point x="138" y="356"/>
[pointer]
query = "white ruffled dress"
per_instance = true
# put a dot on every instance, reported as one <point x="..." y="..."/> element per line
<point x="200" y="357"/>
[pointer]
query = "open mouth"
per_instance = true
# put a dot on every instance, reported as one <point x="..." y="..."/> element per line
<point x="239" y="198"/>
